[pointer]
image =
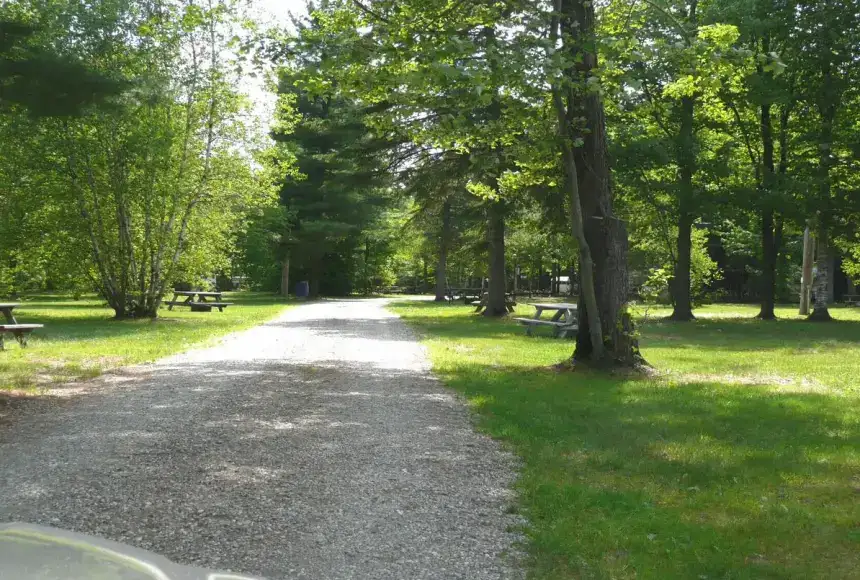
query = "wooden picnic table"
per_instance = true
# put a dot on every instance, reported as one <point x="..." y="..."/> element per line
<point x="563" y="321"/>
<point x="851" y="299"/>
<point x="202" y="304"/>
<point x="480" y="305"/>
<point x="20" y="331"/>
<point x="468" y="295"/>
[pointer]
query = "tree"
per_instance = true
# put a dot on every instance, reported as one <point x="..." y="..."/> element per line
<point x="44" y="82"/>
<point x="156" y="187"/>
<point x="441" y="71"/>
<point x="437" y="181"/>
<point x="341" y="187"/>
<point x="605" y="334"/>
<point x="830" y="36"/>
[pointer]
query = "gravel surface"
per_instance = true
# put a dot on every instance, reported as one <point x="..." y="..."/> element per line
<point x="315" y="446"/>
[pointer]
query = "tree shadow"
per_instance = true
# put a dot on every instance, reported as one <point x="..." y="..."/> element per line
<point x="730" y="335"/>
<point x="678" y="481"/>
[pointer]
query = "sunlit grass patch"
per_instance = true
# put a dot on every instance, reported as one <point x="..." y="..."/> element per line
<point x="80" y="339"/>
<point x="740" y="458"/>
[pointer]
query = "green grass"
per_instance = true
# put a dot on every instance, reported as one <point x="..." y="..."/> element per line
<point x="81" y="340"/>
<point x="742" y="460"/>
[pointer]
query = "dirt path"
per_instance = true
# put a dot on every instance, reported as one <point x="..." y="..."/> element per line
<point x="315" y="446"/>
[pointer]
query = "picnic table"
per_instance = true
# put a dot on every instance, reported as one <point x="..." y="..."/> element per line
<point x="563" y="321"/>
<point x="11" y="326"/>
<point x="481" y="304"/>
<point x="203" y="302"/>
<point x="467" y="295"/>
<point x="851" y="299"/>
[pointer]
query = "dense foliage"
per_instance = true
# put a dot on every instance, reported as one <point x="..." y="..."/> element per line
<point x="133" y="192"/>
<point x="675" y="148"/>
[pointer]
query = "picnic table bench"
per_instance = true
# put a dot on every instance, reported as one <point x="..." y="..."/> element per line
<point x="202" y="304"/>
<point x="480" y="305"/>
<point x="563" y="322"/>
<point x="11" y="326"/>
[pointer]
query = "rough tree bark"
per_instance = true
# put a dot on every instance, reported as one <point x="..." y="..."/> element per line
<point x="681" y="295"/>
<point x="768" y="238"/>
<point x="442" y="263"/>
<point x="681" y="281"/>
<point x="605" y="234"/>
<point x="821" y="282"/>
<point x="285" y="276"/>
<point x="496" y="303"/>
<point x="806" y="280"/>
<point x="571" y="276"/>
<point x="567" y="23"/>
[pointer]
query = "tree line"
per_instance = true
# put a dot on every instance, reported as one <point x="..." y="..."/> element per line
<point x="646" y="148"/>
<point x="661" y="145"/>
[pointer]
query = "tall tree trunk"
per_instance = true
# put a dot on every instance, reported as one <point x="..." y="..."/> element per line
<point x="806" y="280"/>
<point x="681" y="282"/>
<point x="285" y="276"/>
<point x="571" y="276"/>
<point x="821" y="283"/>
<point x="367" y="285"/>
<point x="442" y="263"/>
<point x="768" y="235"/>
<point x="681" y="294"/>
<point x="768" y="278"/>
<point x="606" y="335"/>
<point x="496" y="303"/>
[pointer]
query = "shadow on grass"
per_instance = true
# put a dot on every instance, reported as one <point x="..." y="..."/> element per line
<point x="673" y="479"/>
<point x="91" y="320"/>
<point x="724" y="334"/>
<point x="742" y="334"/>
<point x="689" y="481"/>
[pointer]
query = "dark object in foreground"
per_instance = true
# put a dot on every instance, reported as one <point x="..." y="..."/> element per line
<point x="30" y="552"/>
<point x="19" y="331"/>
<point x="199" y="305"/>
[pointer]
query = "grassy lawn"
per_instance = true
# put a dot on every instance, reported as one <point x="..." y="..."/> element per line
<point x="80" y="340"/>
<point x="742" y="460"/>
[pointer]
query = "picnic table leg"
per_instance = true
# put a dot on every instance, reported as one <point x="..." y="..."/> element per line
<point x="170" y="306"/>
<point x="10" y="318"/>
<point x="568" y="319"/>
<point x="2" y="346"/>
<point x="22" y="338"/>
<point x="555" y="318"/>
<point x="538" y="312"/>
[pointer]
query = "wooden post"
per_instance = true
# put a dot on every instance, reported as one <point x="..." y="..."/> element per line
<point x="806" y="280"/>
<point x="285" y="277"/>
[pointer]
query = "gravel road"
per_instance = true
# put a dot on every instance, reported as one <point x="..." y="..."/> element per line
<point x="315" y="446"/>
